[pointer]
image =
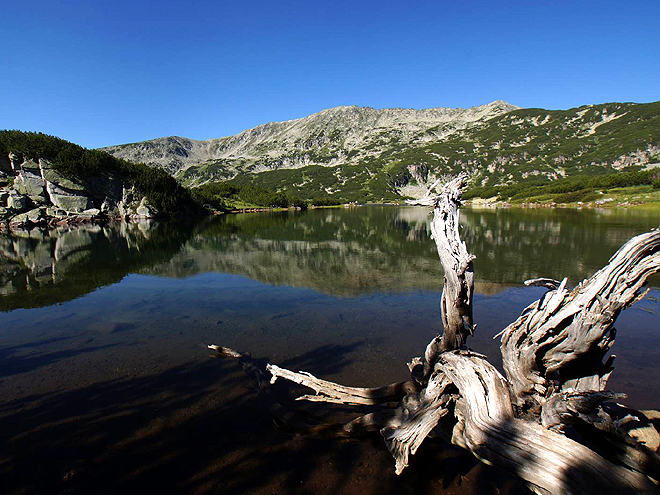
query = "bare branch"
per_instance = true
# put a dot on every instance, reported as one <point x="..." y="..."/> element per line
<point x="562" y="338"/>
<point x="333" y="392"/>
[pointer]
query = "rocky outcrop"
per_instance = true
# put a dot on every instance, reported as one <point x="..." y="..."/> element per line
<point x="40" y="195"/>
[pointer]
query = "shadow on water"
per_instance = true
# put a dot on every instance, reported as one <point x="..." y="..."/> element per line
<point x="13" y="364"/>
<point x="200" y="427"/>
<point x="323" y="361"/>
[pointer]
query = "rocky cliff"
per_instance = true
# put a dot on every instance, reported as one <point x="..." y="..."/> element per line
<point x="34" y="192"/>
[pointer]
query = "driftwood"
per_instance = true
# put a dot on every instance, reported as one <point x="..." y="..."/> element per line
<point x="550" y="420"/>
<point x="456" y="299"/>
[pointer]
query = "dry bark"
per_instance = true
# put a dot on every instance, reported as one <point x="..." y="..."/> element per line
<point x="458" y="288"/>
<point x="333" y="392"/>
<point x="559" y="342"/>
<point x="555" y="377"/>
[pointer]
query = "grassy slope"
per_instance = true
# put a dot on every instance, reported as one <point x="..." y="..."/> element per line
<point x="530" y="145"/>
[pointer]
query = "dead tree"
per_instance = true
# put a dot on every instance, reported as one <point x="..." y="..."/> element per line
<point x="555" y="377"/>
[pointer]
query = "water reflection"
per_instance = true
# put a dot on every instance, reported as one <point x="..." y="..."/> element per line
<point x="43" y="267"/>
<point x="390" y="249"/>
<point x="334" y="251"/>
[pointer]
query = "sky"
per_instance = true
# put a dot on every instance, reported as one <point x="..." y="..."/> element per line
<point x="103" y="73"/>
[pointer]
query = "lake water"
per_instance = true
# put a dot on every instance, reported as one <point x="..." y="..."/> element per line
<point x="106" y="386"/>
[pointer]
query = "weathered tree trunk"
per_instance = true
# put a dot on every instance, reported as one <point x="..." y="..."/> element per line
<point x="555" y="376"/>
<point x="559" y="341"/>
<point x="458" y="288"/>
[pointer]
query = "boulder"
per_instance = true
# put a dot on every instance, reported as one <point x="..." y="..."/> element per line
<point x="52" y="176"/>
<point x="66" y="200"/>
<point x="19" y="221"/>
<point x="55" y="212"/>
<point x="37" y="214"/>
<point x="34" y="216"/>
<point x="15" y="161"/>
<point x="126" y="206"/>
<point x="108" y="206"/>
<point x="71" y="203"/>
<point x="17" y="201"/>
<point x="145" y="210"/>
<point x="91" y="212"/>
<point x="30" y="183"/>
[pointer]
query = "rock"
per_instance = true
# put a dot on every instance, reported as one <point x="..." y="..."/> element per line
<point x="51" y="175"/>
<point x="30" y="183"/>
<point x="66" y="200"/>
<point x="127" y="206"/>
<point x="110" y="208"/>
<point x="34" y="216"/>
<point x="145" y="210"/>
<point x="19" y="221"/>
<point x="55" y="212"/>
<point x="15" y="161"/>
<point x="64" y="193"/>
<point x="4" y="196"/>
<point x="37" y="214"/>
<point x="4" y="213"/>
<point x="90" y="213"/>
<point x="17" y="202"/>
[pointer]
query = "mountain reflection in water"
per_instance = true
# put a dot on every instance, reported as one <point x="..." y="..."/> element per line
<point x="334" y="251"/>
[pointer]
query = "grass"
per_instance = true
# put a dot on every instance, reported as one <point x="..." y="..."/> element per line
<point x="645" y="196"/>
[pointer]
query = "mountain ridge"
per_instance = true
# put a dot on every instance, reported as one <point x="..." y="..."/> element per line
<point x="361" y="153"/>
<point x="176" y="153"/>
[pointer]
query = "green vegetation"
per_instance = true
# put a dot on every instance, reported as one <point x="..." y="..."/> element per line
<point x="529" y="146"/>
<point x="325" y="202"/>
<point x="225" y="196"/>
<point x="78" y="163"/>
<point x="567" y="190"/>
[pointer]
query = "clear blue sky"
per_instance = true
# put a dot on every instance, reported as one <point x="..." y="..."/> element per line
<point x="108" y="72"/>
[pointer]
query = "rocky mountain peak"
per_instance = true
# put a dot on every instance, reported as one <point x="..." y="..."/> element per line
<point x="366" y="153"/>
<point x="330" y="137"/>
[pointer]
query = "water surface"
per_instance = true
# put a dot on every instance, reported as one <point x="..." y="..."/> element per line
<point x="102" y="333"/>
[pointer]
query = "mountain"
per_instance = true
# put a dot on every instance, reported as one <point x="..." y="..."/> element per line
<point x="367" y="154"/>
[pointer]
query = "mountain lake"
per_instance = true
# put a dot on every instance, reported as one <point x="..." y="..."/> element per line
<point x="106" y="385"/>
